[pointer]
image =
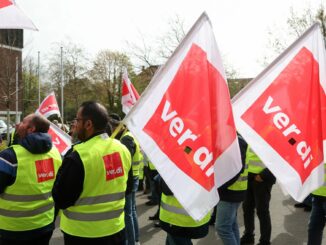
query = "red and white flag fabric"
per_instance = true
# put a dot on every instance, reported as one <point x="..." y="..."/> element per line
<point x="129" y="93"/>
<point x="49" y="106"/>
<point x="12" y="17"/>
<point x="282" y="115"/>
<point x="60" y="139"/>
<point x="184" y="123"/>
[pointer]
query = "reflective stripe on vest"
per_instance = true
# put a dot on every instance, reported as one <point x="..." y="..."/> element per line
<point x="321" y="191"/>
<point x="28" y="213"/>
<point x="25" y="198"/>
<point x="93" y="216"/>
<point x="103" y="196"/>
<point x="173" y="213"/>
<point x="100" y="199"/>
<point x="137" y="157"/>
<point x="255" y="165"/>
<point x="242" y="182"/>
<point x="27" y="204"/>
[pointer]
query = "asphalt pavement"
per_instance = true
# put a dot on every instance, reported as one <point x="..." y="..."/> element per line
<point x="289" y="224"/>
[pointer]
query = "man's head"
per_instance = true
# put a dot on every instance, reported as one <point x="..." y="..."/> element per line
<point x="114" y="120"/>
<point x="31" y="124"/>
<point x="91" y="117"/>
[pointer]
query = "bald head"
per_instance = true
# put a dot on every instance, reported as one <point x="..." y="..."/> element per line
<point x="31" y="124"/>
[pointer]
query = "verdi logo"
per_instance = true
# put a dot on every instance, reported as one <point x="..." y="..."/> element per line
<point x="187" y="126"/>
<point x="45" y="170"/>
<point x="113" y="166"/>
<point x="283" y="117"/>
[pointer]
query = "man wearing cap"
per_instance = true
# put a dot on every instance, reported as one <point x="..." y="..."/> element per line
<point x="27" y="173"/>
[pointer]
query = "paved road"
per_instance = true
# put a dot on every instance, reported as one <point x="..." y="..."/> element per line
<point x="289" y="224"/>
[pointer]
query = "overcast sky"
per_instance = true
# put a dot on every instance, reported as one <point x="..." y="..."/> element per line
<point x="240" y="26"/>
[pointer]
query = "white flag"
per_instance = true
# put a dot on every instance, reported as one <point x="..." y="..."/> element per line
<point x="184" y="123"/>
<point x="49" y="106"/>
<point x="129" y="94"/>
<point x="12" y="17"/>
<point x="60" y="139"/>
<point x="282" y="115"/>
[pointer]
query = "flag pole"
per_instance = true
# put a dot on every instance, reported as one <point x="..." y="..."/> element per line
<point x="38" y="75"/>
<point x="62" y="113"/>
<point x="17" y="119"/>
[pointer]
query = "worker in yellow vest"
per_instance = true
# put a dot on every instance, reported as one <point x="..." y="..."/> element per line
<point x="232" y="193"/>
<point x="258" y="196"/>
<point x="178" y="224"/>
<point x="131" y="218"/>
<point x="27" y="173"/>
<point x="90" y="186"/>
<point x="318" y="215"/>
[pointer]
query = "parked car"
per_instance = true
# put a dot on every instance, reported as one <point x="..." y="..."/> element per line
<point x="3" y="129"/>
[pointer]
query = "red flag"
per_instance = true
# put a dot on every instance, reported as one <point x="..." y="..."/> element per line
<point x="282" y="115"/>
<point x="49" y="106"/>
<point x="12" y="17"/>
<point x="129" y="94"/>
<point x="184" y="122"/>
<point x="60" y="139"/>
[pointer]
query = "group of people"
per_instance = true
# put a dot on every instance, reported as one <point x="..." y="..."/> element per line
<point x="93" y="189"/>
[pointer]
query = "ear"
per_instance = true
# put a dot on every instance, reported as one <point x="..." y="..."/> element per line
<point x="31" y="129"/>
<point x="88" y="124"/>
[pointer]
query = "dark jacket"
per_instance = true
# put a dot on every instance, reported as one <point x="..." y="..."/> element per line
<point x="36" y="143"/>
<point x="189" y="232"/>
<point x="230" y="195"/>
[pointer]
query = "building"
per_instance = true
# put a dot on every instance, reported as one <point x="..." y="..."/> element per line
<point x="11" y="46"/>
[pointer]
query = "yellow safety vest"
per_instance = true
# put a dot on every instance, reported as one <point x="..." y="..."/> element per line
<point x="173" y="213"/>
<point x="151" y="166"/>
<point x="321" y="191"/>
<point x="137" y="157"/>
<point x="255" y="165"/>
<point x="28" y="204"/>
<point x="141" y="169"/>
<point x="98" y="212"/>
<point x="242" y="182"/>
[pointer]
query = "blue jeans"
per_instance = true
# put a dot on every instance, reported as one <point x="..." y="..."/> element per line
<point x="132" y="229"/>
<point x="177" y="240"/>
<point x="317" y="221"/>
<point x="226" y="223"/>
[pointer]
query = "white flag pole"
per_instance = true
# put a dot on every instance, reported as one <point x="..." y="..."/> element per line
<point x="62" y="113"/>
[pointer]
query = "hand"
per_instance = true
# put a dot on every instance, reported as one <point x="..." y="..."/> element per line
<point x="258" y="178"/>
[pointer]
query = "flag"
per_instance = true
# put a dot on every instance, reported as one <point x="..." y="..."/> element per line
<point x="184" y="123"/>
<point x="129" y="93"/>
<point x="60" y="139"/>
<point x="49" y="106"/>
<point x="282" y="115"/>
<point x="12" y="17"/>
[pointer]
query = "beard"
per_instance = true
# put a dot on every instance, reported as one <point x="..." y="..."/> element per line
<point x="81" y="134"/>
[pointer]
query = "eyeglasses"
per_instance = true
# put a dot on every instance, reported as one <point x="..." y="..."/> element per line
<point x="78" y="119"/>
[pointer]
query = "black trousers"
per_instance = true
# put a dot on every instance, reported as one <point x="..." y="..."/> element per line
<point x="115" y="239"/>
<point x="258" y="196"/>
<point x="44" y="239"/>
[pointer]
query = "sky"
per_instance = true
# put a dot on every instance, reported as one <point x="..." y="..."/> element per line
<point x="240" y="27"/>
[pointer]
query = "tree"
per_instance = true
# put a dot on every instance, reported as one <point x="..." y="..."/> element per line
<point x="30" y="78"/>
<point x="107" y="75"/>
<point x="297" y="23"/>
<point x="75" y="72"/>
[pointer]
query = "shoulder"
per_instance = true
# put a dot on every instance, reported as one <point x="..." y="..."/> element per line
<point x="9" y="155"/>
